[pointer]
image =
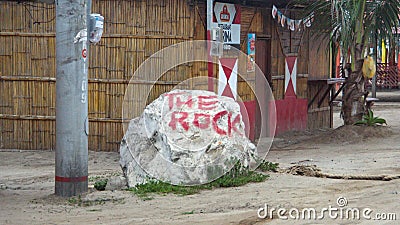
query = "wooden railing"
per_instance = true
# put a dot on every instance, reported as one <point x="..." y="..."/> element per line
<point x="387" y="76"/>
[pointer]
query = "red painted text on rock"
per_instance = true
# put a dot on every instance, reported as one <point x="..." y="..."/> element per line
<point x="188" y="111"/>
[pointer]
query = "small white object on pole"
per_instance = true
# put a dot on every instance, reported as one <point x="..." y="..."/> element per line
<point x="95" y="27"/>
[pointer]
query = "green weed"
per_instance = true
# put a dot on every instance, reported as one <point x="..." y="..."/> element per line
<point x="266" y="166"/>
<point x="100" y="185"/>
<point x="370" y="120"/>
<point x="188" y="213"/>
<point x="237" y="176"/>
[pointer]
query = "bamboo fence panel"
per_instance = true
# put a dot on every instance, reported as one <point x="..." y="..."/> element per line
<point x="199" y="71"/>
<point x="134" y="30"/>
<point x="301" y="89"/>
<point x="318" y="60"/>
<point x="278" y="87"/>
<point x="302" y="57"/>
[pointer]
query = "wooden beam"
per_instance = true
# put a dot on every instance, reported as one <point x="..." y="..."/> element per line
<point x="53" y="118"/>
<point x="91" y="80"/>
<point x="27" y="34"/>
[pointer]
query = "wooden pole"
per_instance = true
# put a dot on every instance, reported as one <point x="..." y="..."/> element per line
<point x="373" y="87"/>
<point x="71" y="172"/>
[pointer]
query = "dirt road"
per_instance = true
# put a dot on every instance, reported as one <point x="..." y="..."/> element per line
<point x="27" y="186"/>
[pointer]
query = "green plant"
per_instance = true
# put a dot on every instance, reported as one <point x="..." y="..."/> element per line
<point x="72" y="200"/>
<point x="188" y="213"/>
<point x="237" y="176"/>
<point x="370" y="120"/>
<point x="100" y="185"/>
<point x="75" y="201"/>
<point x="94" y="178"/>
<point x="268" y="166"/>
<point x="159" y="187"/>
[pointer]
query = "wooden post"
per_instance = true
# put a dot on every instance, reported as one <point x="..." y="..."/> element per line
<point x="373" y="87"/>
<point x="71" y="172"/>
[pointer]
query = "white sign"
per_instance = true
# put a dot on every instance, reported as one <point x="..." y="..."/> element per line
<point x="227" y="17"/>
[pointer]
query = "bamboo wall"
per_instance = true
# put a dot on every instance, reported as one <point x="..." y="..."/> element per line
<point x="319" y="69"/>
<point x="133" y="31"/>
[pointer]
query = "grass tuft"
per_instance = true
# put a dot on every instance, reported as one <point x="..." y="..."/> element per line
<point x="100" y="185"/>
<point x="237" y="176"/>
<point x="266" y="166"/>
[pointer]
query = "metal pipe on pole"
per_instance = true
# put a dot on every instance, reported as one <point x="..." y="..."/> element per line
<point x="71" y="158"/>
<point x="210" y="64"/>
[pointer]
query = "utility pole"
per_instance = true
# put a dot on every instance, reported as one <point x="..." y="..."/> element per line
<point x="71" y="172"/>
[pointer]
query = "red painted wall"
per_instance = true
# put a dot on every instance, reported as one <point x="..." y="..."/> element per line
<point x="249" y="108"/>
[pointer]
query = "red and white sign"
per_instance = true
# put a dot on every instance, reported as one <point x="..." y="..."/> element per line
<point x="227" y="85"/>
<point x="84" y="53"/>
<point x="290" y="73"/>
<point x="227" y="17"/>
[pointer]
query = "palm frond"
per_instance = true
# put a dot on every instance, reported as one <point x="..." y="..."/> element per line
<point x="352" y="22"/>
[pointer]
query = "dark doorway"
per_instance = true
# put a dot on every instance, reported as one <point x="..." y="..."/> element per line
<point x="263" y="60"/>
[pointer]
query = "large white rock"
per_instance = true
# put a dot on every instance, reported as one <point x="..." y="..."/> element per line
<point x="185" y="137"/>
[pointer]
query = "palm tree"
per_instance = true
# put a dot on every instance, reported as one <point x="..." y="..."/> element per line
<point x="354" y="25"/>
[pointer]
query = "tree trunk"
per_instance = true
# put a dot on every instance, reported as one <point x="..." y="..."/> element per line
<point x="354" y="94"/>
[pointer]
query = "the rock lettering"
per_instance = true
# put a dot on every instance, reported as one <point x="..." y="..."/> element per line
<point x="201" y="119"/>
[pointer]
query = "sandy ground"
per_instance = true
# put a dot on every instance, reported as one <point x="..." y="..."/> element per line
<point x="27" y="185"/>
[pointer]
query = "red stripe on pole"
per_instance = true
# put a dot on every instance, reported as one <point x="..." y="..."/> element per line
<point x="71" y="179"/>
